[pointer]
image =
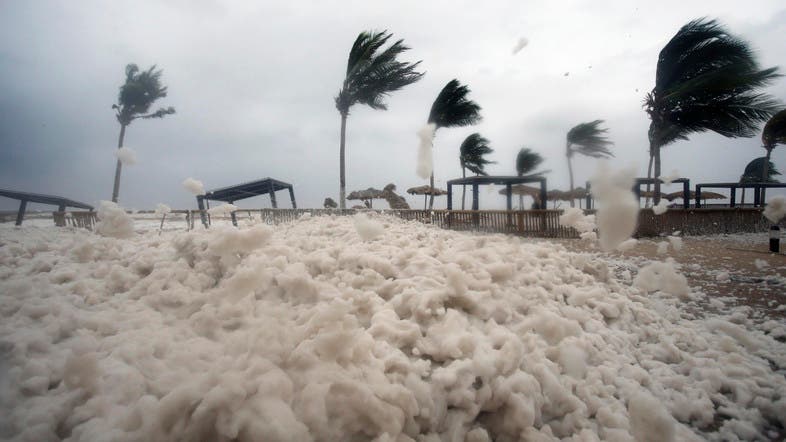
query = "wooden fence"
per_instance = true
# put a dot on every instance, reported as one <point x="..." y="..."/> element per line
<point x="530" y="223"/>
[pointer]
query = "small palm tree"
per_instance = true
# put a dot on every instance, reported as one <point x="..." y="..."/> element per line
<point x="706" y="80"/>
<point x="586" y="139"/>
<point x="527" y="161"/>
<point x="372" y="74"/>
<point x="137" y="94"/>
<point x="471" y="156"/>
<point x="774" y="133"/>
<point x="759" y="170"/>
<point x="452" y="108"/>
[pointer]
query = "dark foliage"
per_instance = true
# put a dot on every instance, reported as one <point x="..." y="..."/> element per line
<point x="472" y="154"/>
<point x="453" y="108"/>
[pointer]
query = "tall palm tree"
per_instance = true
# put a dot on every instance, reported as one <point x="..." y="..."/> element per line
<point x="706" y="79"/>
<point x="587" y="139"/>
<point x="137" y="94"/>
<point x="759" y="170"/>
<point x="472" y="154"/>
<point x="372" y="74"/>
<point x="527" y="161"/>
<point x="774" y="133"/>
<point x="452" y="108"/>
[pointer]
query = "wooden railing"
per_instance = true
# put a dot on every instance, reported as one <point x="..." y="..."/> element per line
<point x="530" y="223"/>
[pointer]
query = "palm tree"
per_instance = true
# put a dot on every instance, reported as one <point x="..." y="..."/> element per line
<point x="527" y="160"/>
<point x="471" y="156"/>
<point x="452" y="108"/>
<point x="706" y="79"/>
<point x="372" y="74"/>
<point x="139" y="92"/>
<point x="586" y="139"/>
<point x="774" y="133"/>
<point x="759" y="170"/>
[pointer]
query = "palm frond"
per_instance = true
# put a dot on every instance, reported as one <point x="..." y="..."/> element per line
<point x="527" y="160"/>
<point x="452" y="107"/>
<point x="472" y="153"/>
<point x="589" y="139"/>
<point x="373" y="73"/>
<point x="774" y="132"/>
<point x="707" y="80"/>
<point x="755" y="170"/>
<point x="138" y="93"/>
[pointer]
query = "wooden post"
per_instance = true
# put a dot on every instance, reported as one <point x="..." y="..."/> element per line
<point x="233" y="215"/>
<point x="588" y="203"/>
<point x="450" y="197"/>
<point x="698" y="196"/>
<point x="272" y="196"/>
<point x="475" y="197"/>
<point x="292" y="197"/>
<point x="543" y="194"/>
<point x="732" y="196"/>
<point x="756" y="196"/>
<point x="686" y="194"/>
<point x="21" y="214"/>
<point x="509" y="189"/>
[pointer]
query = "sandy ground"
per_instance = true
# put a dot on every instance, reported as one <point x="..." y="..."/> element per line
<point x="705" y="260"/>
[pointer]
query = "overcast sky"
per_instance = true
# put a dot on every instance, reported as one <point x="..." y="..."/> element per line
<point x="253" y="84"/>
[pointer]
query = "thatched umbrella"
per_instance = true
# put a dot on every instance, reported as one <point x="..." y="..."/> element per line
<point x="522" y="189"/>
<point x="366" y="195"/>
<point x="704" y="196"/>
<point x="650" y="194"/>
<point x="426" y="190"/>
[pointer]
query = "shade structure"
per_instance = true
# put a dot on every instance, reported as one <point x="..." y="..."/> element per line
<point x="506" y="180"/>
<point x="27" y="197"/>
<point x="651" y="194"/>
<point x="426" y="190"/>
<point x="249" y="189"/>
<point x="521" y="189"/>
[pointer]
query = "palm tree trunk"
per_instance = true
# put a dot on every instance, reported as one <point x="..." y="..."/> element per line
<point x="656" y="197"/>
<point x="649" y="175"/>
<point x="431" y="197"/>
<point x="463" y="187"/>
<point x="119" y="166"/>
<point x="342" y="201"/>
<point x="570" y="172"/>
<point x="765" y="174"/>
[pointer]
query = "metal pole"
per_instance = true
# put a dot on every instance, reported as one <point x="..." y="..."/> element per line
<point x="474" y="197"/>
<point x="698" y="195"/>
<point x="450" y="197"/>
<point x="21" y="214"/>
<point x="509" y="189"/>
<point x="201" y="206"/>
<point x="686" y="194"/>
<point x="732" y="195"/>
<point x="272" y="196"/>
<point x="292" y="197"/>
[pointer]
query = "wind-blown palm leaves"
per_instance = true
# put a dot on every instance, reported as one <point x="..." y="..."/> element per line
<point x="472" y="154"/>
<point x="372" y="74"/>
<point x="452" y="108"/>
<point x="527" y="161"/>
<point x="137" y="94"/>
<point x="706" y="80"/>
<point x="774" y="133"/>
<point x="759" y="170"/>
<point x="587" y="139"/>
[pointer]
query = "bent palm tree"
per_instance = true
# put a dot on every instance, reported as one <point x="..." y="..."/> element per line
<point x="706" y="80"/>
<point x="137" y="94"/>
<point x="527" y="160"/>
<point x="471" y="156"/>
<point x="371" y="75"/>
<point x="452" y="108"/>
<point x="774" y="133"/>
<point x="759" y="170"/>
<point x="586" y="139"/>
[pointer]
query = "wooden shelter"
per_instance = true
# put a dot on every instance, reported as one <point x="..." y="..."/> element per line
<point x="507" y="181"/>
<point x="26" y="197"/>
<point x="241" y="191"/>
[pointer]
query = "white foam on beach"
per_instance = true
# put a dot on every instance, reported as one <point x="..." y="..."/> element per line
<point x="776" y="209"/>
<point x="162" y="209"/>
<point x="618" y="210"/>
<point x="113" y="221"/>
<point x="520" y="44"/>
<point x="661" y="207"/>
<point x="222" y="210"/>
<point x="304" y="331"/>
<point x="194" y="186"/>
<point x="425" y="163"/>
<point x="126" y="156"/>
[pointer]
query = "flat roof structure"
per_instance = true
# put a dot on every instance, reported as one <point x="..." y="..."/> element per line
<point x="249" y="189"/>
<point x="27" y="197"/>
<point x="506" y="180"/>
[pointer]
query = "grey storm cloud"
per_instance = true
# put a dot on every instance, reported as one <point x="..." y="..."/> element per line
<point x="253" y="84"/>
